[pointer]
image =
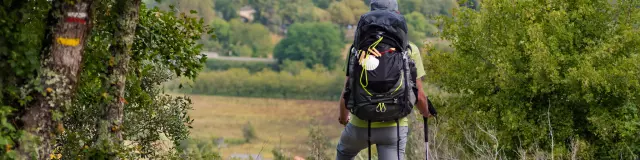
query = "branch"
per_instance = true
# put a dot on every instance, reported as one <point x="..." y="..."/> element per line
<point x="495" y="139"/>
<point x="574" y="149"/>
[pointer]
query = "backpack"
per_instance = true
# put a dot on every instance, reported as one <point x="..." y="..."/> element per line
<point x="382" y="79"/>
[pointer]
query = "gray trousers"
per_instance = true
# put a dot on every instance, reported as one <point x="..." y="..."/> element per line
<point x="354" y="139"/>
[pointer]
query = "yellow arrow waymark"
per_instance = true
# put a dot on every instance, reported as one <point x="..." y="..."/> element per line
<point x="69" y="41"/>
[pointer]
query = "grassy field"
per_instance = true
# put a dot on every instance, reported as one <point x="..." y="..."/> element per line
<point x="276" y="122"/>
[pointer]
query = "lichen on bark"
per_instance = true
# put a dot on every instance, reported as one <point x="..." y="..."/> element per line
<point x="60" y="67"/>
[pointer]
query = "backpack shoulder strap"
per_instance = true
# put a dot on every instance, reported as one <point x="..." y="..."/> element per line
<point x="350" y="55"/>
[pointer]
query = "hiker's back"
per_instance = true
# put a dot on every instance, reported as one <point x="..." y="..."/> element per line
<point x="381" y="86"/>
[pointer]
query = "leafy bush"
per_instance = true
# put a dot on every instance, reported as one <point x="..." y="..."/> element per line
<point x="199" y="149"/>
<point x="248" y="132"/>
<point x="252" y="66"/>
<point x="543" y="74"/>
<point x="278" y="154"/>
<point x="315" y="84"/>
<point x="318" y="144"/>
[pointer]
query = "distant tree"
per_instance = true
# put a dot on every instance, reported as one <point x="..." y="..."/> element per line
<point x="341" y="14"/>
<point x="428" y="7"/>
<point x="254" y="35"/>
<point x="324" y="4"/>
<point x="421" y="23"/>
<point x="204" y="8"/>
<point x="242" y="39"/>
<point x="416" y="36"/>
<point x="419" y="27"/>
<point x="241" y="50"/>
<point x="410" y="6"/>
<point x="228" y="8"/>
<point x="320" y="15"/>
<point x="312" y="43"/>
<point x="293" y="11"/>
<point x="266" y="11"/>
<point x="347" y="11"/>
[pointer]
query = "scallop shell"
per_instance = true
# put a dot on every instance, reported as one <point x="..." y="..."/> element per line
<point x="371" y="63"/>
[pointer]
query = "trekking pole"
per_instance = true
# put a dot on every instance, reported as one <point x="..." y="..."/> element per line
<point x="426" y="136"/>
<point x="433" y="112"/>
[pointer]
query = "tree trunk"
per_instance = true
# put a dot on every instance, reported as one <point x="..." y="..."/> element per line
<point x="126" y="21"/>
<point x="61" y="63"/>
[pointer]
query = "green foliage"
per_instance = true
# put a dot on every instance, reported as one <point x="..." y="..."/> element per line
<point x="228" y="8"/>
<point x="296" y="11"/>
<point x="242" y="39"/>
<point x="323" y="3"/>
<point x="312" y="43"/>
<point x="266" y="12"/>
<point x="293" y="67"/>
<point x="9" y="133"/>
<point x="419" y="27"/>
<point x="283" y="12"/>
<point x="308" y="84"/>
<point x="278" y="154"/>
<point x="542" y="74"/>
<point x="204" y="8"/>
<point x="22" y="28"/>
<point x="428" y="7"/>
<point x="276" y="16"/>
<point x="318" y="144"/>
<point x="254" y="35"/>
<point x="347" y="11"/>
<point x="252" y="66"/>
<point x="164" y="47"/>
<point x="473" y="4"/>
<point x="175" y="47"/>
<point x="248" y="132"/>
<point x="199" y="149"/>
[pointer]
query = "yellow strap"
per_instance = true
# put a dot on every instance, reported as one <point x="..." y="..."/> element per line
<point x="401" y="82"/>
<point x="381" y="107"/>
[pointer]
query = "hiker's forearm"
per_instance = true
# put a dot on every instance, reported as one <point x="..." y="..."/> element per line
<point x="422" y="99"/>
<point x="343" y="108"/>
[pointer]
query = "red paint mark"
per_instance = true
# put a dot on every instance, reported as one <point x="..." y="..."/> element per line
<point x="76" y="20"/>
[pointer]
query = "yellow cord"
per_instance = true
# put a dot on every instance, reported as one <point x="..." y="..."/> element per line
<point x="366" y="78"/>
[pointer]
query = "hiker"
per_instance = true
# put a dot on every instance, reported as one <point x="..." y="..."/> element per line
<point x="360" y="95"/>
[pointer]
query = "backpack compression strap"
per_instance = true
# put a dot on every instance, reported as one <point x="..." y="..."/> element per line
<point x="369" y="138"/>
<point x="398" y="134"/>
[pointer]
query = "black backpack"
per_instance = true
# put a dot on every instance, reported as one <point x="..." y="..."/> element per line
<point x="386" y="91"/>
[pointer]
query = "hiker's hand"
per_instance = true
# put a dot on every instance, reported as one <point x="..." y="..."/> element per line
<point x="426" y="114"/>
<point x="344" y="119"/>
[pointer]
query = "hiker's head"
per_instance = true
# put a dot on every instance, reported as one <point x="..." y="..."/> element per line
<point x="390" y="5"/>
